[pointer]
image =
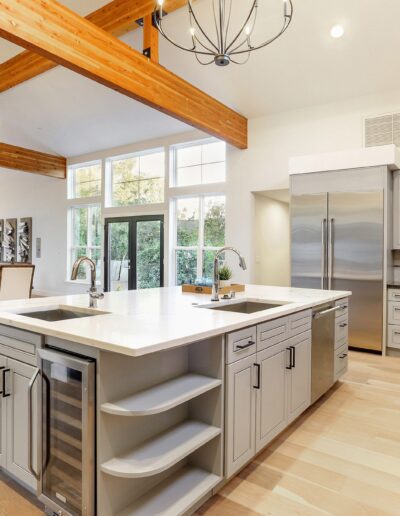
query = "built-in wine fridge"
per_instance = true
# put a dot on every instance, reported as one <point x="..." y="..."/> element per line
<point x="66" y="451"/>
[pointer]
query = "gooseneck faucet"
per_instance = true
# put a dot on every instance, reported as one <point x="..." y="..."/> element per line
<point x="215" y="286"/>
<point x="93" y="294"/>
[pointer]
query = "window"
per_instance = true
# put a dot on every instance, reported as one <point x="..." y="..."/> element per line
<point x="85" y="237"/>
<point x="137" y="179"/>
<point x="200" y="231"/>
<point x="201" y="163"/>
<point x="85" y="180"/>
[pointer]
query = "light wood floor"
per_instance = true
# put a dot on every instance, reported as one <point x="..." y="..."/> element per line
<point x="341" y="457"/>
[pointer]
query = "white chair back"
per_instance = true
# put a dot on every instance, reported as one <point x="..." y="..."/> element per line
<point x="16" y="282"/>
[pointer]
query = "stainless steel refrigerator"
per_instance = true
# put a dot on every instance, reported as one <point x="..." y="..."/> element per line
<point x="337" y="243"/>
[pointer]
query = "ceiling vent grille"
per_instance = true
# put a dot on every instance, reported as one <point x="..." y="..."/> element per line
<point x="382" y="130"/>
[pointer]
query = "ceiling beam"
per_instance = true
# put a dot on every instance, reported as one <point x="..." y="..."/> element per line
<point x="27" y="160"/>
<point x="52" y="30"/>
<point x="117" y="17"/>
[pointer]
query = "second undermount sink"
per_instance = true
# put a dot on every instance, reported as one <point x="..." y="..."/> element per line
<point x="245" y="307"/>
<point x="58" y="314"/>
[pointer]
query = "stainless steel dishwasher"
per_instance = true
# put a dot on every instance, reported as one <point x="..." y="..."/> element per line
<point x="323" y="350"/>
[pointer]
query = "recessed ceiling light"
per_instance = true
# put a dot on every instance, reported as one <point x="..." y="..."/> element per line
<point x="337" y="31"/>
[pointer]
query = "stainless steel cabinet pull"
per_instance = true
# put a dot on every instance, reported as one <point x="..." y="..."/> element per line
<point x="4" y="393"/>
<point x="290" y="357"/>
<point x="323" y="252"/>
<point x="343" y="356"/>
<point x="317" y="315"/>
<point x="396" y="295"/>
<point x="245" y="346"/>
<point x="30" y="424"/>
<point x="258" y="386"/>
<point x="343" y="307"/>
<point x="343" y="325"/>
<point x="331" y="251"/>
<point x="397" y="309"/>
<point x="397" y="332"/>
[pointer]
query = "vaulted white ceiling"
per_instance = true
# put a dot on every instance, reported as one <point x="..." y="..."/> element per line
<point x="65" y="113"/>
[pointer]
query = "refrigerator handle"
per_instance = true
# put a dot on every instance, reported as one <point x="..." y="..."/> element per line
<point x="330" y="253"/>
<point x="30" y="424"/>
<point x="323" y="252"/>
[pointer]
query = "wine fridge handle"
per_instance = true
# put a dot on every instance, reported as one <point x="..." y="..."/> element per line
<point x="30" y="423"/>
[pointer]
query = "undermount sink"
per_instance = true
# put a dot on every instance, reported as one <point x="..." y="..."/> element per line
<point x="57" y="314"/>
<point x="245" y="307"/>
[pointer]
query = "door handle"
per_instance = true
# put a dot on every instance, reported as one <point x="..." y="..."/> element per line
<point x="317" y="315"/>
<point x="343" y="325"/>
<point x="290" y="349"/>
<point x="4" y="393"/>
<point x="258" y="386"/>
<point x="323" y="252"/>
<point x="30" y="423"/>
<point x="293" y="364"/>
<point x="343" y="356"/>
<point x="330" y="254"/>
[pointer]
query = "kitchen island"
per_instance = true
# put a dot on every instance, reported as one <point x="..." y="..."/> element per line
<point x="187" y="391"/>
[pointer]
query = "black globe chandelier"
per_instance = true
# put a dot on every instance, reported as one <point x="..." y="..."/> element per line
<point x="225" y="46"/>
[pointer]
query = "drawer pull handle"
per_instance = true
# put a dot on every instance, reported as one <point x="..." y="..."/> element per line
<point x="396" y="332"/>
<point x="258" y="386"/>
<point x="343" y="325"/>
<point x="397" y="309"/>
<point x="245" y="346"/>
<point x="290" y="366"/>
<point x="343" y="356"/>
<point x="396" y="295"/>
<point x="343" y="307"/>
<point x="2" y="389"/>
<point x="5" y="395"/>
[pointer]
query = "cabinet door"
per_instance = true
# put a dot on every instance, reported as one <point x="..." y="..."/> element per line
<point x="299" y="376"/>
<point x="3" y="418"/>
<point x="17" y="421"/>
<point x="240" y="414"/>
<point x="271" y="397"/>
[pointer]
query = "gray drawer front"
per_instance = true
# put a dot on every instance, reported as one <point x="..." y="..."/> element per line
<point x="393" y="336"/>
<point x="344" y="307"/>
<point x="341" y="361"/>
<point x="20" y="340"/>
<point x="272" y="332"/>
<point x="299" y="323"/>
<point x="241" y="344"/>
<point x="393" y="294"/>
<point x="341" y="331"/>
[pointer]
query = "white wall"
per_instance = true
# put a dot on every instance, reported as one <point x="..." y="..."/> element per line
<point x="274" y="139"/>
<point x="272" y="242"/>
<point x="43" y="199"/>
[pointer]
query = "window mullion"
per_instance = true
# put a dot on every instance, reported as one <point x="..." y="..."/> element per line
<point x="201" y="238"/>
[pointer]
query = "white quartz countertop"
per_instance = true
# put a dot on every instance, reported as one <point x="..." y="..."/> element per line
<point x="144" y="321"/>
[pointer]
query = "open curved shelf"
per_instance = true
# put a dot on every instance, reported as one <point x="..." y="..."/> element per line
<point x="162" y="451"/>
<point x="175" y="495"/>
<point x="162" y="397"/>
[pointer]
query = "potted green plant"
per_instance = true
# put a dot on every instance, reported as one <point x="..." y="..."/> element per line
<point x="225" y="275"/>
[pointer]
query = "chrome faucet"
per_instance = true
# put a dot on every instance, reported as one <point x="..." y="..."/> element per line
<point x="215" y="286"/>
<point x="93" y="294"/>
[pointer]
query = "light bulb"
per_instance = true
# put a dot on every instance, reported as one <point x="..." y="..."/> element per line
<point x="160" y="2"/>
<point x="337" y="31"/>
<point x="192" y="31"/>
<point x="247" y="30"/>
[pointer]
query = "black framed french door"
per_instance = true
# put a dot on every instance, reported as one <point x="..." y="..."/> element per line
<point x="134" y="252"/>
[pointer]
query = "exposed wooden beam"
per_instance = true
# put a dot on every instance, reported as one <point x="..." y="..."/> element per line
<point x="58" y="33"/>
<point x="27" y="160"/>
<point x="116" y="17"/>
<point x="150" y="38"/>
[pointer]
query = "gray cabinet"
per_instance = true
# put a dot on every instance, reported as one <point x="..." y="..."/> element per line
<point x="17" y="421"/>
<point x="298" y="386"/>
<point x="270" y="397"/>
<point x="396" y="210"/>
<point x="240" y="414"/>
<point x="14" y="419"/>
<point x="268" y="389"/>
